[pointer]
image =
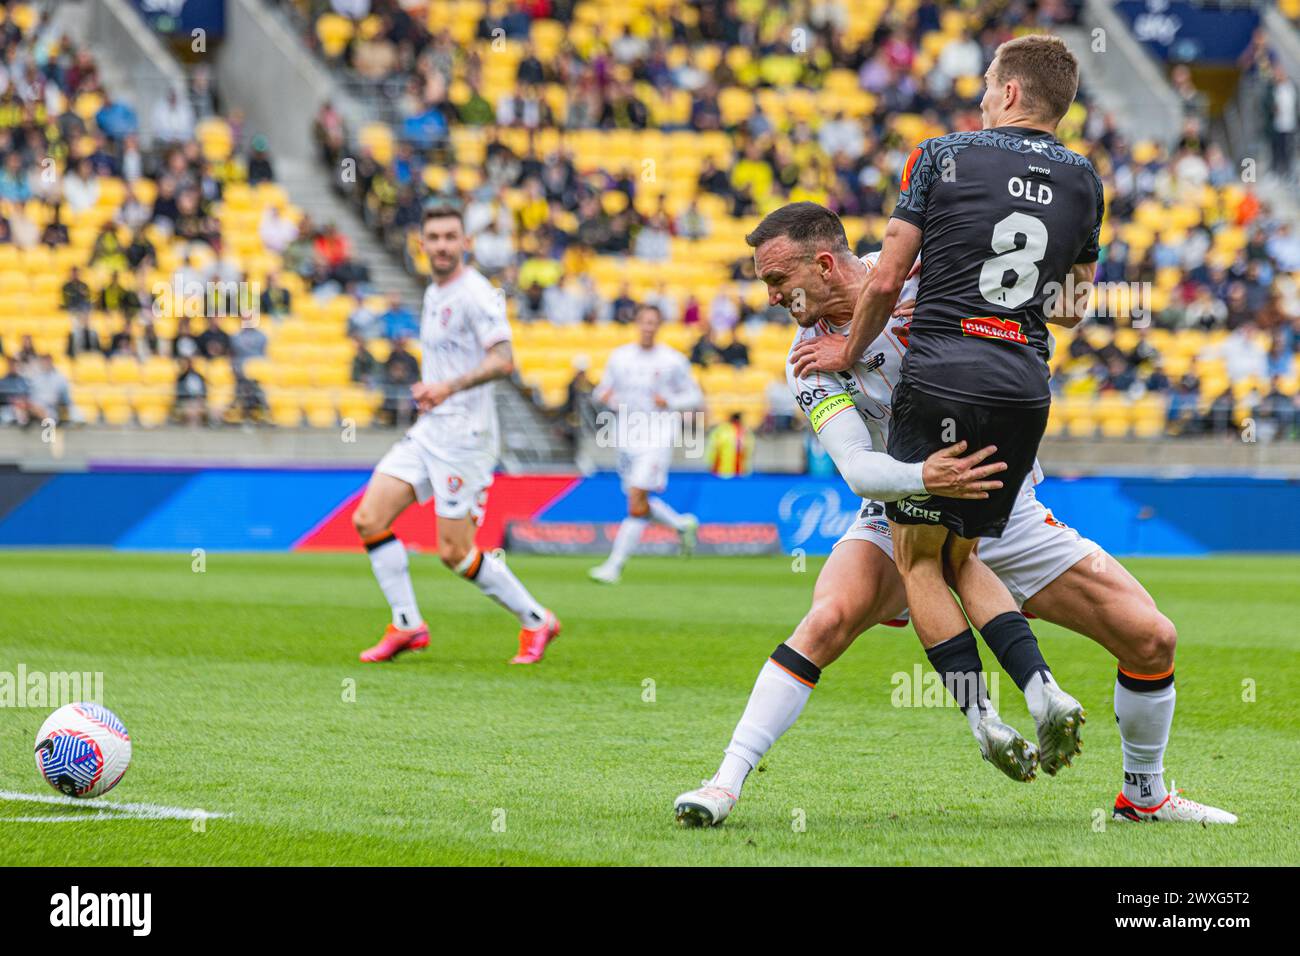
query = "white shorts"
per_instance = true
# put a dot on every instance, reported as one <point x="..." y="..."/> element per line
<point x="1034" y="550"/>
<point x="458" y="485"/>
<point x="644" y="468"/>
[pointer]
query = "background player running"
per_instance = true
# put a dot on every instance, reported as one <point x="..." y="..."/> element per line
<point x="649" y="387"/>
<point x="996" y="215"/>
<point x="1051" y="570"/>
<point x="449" y="454"/>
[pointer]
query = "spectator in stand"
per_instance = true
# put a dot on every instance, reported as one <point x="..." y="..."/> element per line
<point x="260" y="169"/>
<point x="494" y="251"/>
<point x="735" y="353"/>
<point x="401" y="371"/>
<point x="50" y="391"/>
<point x="247" y="343"/>
<point x="173" y="119"/>
<point x="82" y="337"/>
<point x="623" y="308"/>
<point x="366" y="369"/>
<point x="186" y="343"/>
<point x="213" y="341"/>
<point x="730" y="448"/>
<point x="1278" y="412"/>
<point x="1282" y="110"/>
<point x="276" y="230"/>
<point x="1220" y="417"/>
<point x="15" y="397"/>
<point x="706" y="351"/>
<point x="75" y="293"/>
<point x="191" y="400"/>
<point x="399" y="322"/>
<point x="81" y="187"/>
<point x="55" y="233"/>
<point x="362" y="320"/>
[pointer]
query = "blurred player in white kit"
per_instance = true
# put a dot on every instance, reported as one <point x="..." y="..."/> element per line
<point x="651" y="388"/>
<point x="449" y="454"/>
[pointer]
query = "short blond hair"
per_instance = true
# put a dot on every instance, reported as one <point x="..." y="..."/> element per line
<point x="1046" y="70"/>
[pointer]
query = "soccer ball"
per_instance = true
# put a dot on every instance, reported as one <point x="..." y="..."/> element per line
<point x="83" y="750"/>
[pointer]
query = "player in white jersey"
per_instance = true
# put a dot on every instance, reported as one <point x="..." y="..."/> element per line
<point x="1051" y="571"/>
<point x="649" y="387"/>
<point x="450" y="452"/>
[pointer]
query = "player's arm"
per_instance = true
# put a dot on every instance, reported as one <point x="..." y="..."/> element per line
<point x="875" y="475"/>
<point x="498" y="363"/>
<point x="878" y="298"/>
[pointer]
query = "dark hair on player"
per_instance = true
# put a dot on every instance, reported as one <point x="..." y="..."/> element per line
<point x="442" y="210"/>
<point x="659" y="313"/>
<point x="805" y="223"/>
<point x="1047" y="72"/>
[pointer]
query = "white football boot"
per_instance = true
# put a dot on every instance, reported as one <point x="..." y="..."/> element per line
<point x="689" y="535"/>
<point x="1004" y="747"/>
<point x="604" y="574"/>
<point x="705" y="807"/>
<point x="1058" y="731"/>
<point x="1174" y="808"/>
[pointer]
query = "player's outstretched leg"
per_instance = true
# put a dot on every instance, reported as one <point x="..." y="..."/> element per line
<point x="627" y="538"/>
<point x="687" y="526"/>
<point x="385" y="498"/>
<point x="920" y="554"/>
<point x="1058" y="717"/>
<point x="538" y="625"/>
<point x="1099" y="598"/>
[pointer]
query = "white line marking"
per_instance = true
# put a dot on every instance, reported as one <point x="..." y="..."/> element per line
<point x="107" y="810"/>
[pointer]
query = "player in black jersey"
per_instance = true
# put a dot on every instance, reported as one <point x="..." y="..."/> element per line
<point x="1000" y="218"/>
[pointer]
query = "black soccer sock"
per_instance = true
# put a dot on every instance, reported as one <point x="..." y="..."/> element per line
<point x="1014" y="645"/>
<point x="958" y="662"/>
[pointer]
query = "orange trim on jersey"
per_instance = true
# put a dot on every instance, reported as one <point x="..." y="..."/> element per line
<point x="806" y="683"/>
<point x="1160" y="676"/>
<point x="906" y="180"/>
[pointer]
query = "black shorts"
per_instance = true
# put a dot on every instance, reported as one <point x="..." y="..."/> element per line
<point x="922" y="424"/>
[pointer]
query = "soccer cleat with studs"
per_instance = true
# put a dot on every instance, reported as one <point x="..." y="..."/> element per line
<point x="705" y="807"/>
<point x="395" y="641"/>
<point x="689" y="535"/>
<point x="1004" y="747"/>
<point x="1174" y="808"/>
<point x="1059" y="730"/>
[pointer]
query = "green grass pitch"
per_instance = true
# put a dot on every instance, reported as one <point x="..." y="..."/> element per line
<point x="234" y="685"/>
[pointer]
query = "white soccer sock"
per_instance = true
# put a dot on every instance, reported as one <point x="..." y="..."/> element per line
<point x="663" y="512"/>
<point x="388" y="559"/>
<point x="774" y="705"/>
<point x="1144" y="719"/>
<point x="498" y="582"/>
<point x="1034" y="693"/>
<point x="625" y="542"/>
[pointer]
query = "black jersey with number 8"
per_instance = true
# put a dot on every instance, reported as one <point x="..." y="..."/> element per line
<point x="1004" y="214"/>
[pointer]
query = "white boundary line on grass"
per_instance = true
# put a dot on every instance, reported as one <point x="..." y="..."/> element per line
<point x="107" y="810"/>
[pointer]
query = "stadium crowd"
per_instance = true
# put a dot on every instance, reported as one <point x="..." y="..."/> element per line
<point x="604" y="155"/>
<point x="138" y="261"/>
<point x="1201" y="309"/>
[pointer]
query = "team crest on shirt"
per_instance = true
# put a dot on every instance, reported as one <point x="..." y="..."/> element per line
<point x="445" y="317"/>
<point x="455" y="483"/>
